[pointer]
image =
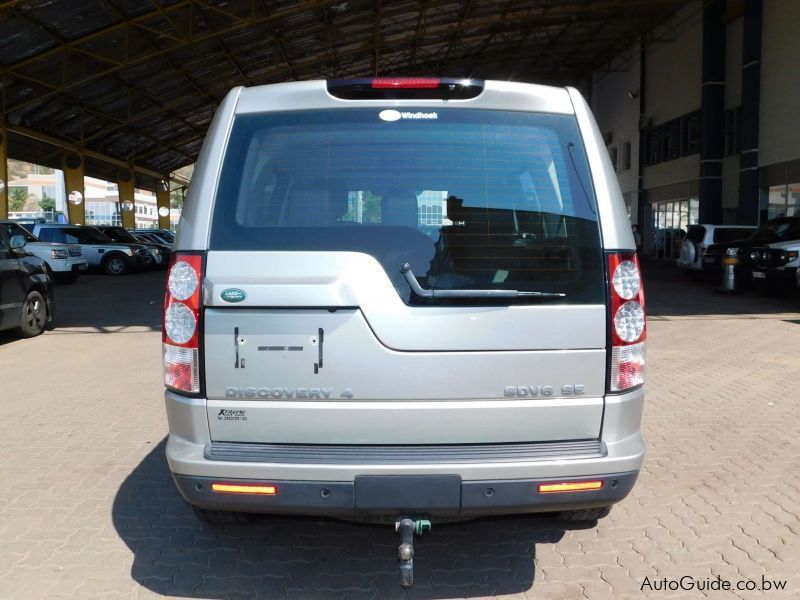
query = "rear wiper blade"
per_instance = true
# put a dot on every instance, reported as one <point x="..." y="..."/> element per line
<point x="405" y="269"/>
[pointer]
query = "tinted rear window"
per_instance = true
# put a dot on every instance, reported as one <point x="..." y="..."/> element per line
<point x="470" y="199"/>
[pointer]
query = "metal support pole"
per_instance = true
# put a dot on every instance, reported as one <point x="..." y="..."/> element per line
<point x="73" y="178"/>
<point x="3" y="172"/>
<point x="162" y="202"/>
<point x="640" y="201"/>
<point x="127" y="199"/>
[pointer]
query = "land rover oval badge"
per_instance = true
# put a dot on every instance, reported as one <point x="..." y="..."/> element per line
<point x="233" y="295"/>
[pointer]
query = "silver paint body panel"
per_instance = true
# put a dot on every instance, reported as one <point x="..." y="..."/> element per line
<point x="418" y="375"/>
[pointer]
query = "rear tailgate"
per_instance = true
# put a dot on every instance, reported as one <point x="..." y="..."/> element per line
<point x="351" y="363"/>
<point x="312" y="334"/>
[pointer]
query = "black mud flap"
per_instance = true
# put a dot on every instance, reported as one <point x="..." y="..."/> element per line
<point x="408" y="494"/>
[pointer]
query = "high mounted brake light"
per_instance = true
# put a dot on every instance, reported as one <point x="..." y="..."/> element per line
<point x="410" y="83"/>
<point x="182" y="323"/>
<point x="405" y="88"/>
<point x="627" y="322"/>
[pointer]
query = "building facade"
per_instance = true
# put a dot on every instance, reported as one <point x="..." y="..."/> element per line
<point x="701" y="119"/>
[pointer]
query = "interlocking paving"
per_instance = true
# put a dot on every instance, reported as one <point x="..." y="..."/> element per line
<point x="88" y="508"/>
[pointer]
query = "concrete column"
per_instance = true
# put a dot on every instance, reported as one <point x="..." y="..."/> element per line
<point x="127" y="200"/>
<point x="3" y="172"/>
<point x="712" y="107"/>
<point x="162" y="201"/>
<point x="749" y="191"/>
<point x="76" y="193"/>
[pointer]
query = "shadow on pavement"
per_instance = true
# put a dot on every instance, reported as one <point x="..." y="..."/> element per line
<point x="174" y="554"/>
<point x="103" y="303"/>
<point x="670" y="292"/>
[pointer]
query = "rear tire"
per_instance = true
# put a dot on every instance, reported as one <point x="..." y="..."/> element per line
<point x="116" y="265"/>
<point x="585" y="514"/>
<point x="221" y="517"/>
<point x="33" y="315"/>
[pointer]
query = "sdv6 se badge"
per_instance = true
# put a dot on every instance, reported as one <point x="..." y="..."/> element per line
<point x="532" y="391"/>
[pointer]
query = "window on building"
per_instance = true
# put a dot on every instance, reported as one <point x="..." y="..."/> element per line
<point x="672" y="136"/>
<point x="614" y="154"/>
<point x="732" y="130"/>
<point x="691" y="134"/>
<point x="652" y="156"/>
<point x="627" y="155"/>
<point x="783" y="201"/>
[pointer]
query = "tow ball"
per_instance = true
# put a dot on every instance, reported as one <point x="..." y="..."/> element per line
<point x="407" y="527"/>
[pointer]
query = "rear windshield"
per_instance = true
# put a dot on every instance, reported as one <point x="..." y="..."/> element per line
<point x="470" y="199"/>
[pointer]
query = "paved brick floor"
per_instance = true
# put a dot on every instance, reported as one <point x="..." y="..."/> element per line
<point x="88" y="510"/>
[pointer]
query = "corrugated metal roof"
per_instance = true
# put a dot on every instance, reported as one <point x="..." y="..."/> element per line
<point x="138" y="80"/>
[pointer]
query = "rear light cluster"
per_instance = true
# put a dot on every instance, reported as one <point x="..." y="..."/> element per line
<point x="181" y="330"/>
<point x="628" y="322"/>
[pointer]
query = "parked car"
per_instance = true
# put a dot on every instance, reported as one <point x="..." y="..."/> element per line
<point x="743" y="253"/>
<point x="64" y="262"/>
<point x="700" y="237"/>
<point x="777" y="265"/>
<point x="161" y="252"/>
<point x="391" y="363"/>
<point x="98" y="249"/>
<point x="27" y="303"/>
<point x="165" y="236"/>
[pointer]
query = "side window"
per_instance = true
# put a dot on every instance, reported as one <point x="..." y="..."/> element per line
<point x="68" y="237"/>
<point x="3" y="243"/>
<point x="52" y="234"/>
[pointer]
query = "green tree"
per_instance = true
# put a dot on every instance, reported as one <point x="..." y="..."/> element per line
<point x="176" y="198"/>
<point x="17" y="196"/>
<point x="48" y="204"/>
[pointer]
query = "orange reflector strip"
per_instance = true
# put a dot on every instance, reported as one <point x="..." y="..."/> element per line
<point x="238" y="488"/>
<point x="569" y="486"/>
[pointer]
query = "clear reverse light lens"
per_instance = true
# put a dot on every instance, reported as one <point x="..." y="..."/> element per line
<point x="627" y="367"/>
<point x="181" y="368"/>
<point x="179" y="322"/>
<point x="182" y="280"/>
<point x="629" y="321"/>
<point x="626" y="281"/>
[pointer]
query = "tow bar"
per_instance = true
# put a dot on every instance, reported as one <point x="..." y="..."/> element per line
<point x="407" y="527"/>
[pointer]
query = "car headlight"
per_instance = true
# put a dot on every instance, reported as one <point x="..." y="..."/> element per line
<point x="734" y="252"/>
<point x="60" y="254"/>
<point x="787" y="257"/>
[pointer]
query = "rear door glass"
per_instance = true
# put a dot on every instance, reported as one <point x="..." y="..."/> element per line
<point x="471" y="199"/>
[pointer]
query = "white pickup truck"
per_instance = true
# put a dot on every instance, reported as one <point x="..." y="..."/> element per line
<point x="65" y="261"/>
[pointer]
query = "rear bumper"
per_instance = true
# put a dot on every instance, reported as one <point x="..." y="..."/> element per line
<point x="420" y="495"/>
<point x="192" y="460"/>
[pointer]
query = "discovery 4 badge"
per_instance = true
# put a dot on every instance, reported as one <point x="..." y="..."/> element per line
<point x="233" y="295"/>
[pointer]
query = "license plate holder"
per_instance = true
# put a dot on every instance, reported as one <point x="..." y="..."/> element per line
<point x="410" y="493"/>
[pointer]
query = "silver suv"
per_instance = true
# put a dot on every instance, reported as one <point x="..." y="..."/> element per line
<point x="404" y="300"/>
